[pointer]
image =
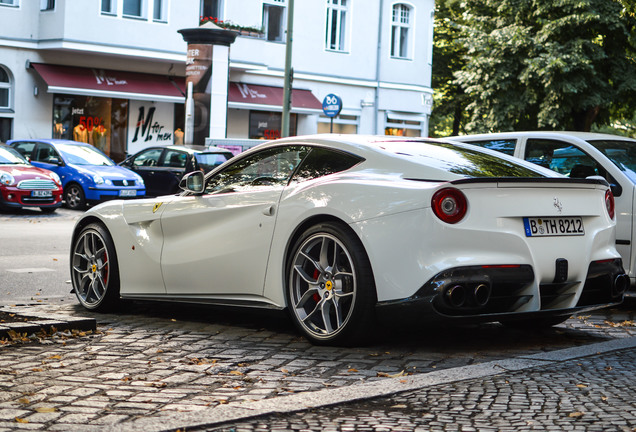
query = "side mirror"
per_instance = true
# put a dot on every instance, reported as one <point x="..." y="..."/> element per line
<point x="617" y="189"/>
<point x="54" y="161"/>
<point x="193" y="182"/>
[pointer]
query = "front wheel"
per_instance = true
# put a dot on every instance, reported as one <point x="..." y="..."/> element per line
<point x="330" y="290"/>
<point x="74" y="197"/>
<point x="94" y="269"/>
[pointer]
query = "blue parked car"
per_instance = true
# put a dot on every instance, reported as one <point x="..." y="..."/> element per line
<point x="88" y="175"/>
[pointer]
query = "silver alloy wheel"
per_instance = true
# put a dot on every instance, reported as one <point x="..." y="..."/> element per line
<point x="74" y="197"/>
<point x="322" y="285"/>
<point x="91" y="268"/>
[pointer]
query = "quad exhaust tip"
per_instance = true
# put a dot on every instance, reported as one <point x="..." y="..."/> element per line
<point x="460" y="296"/>
<point x="621" y="283"/>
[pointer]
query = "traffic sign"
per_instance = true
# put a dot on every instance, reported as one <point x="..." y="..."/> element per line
<point x="331" y="105"/>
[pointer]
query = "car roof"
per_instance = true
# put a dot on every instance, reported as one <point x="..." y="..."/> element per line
<point x="54" y="141"/>
<point x="585" y="136"/>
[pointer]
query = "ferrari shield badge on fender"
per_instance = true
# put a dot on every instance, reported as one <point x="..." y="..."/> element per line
<point x="558" y="205"/>
<point x="156" y="207"/>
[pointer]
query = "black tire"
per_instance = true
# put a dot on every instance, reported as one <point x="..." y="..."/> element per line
<point x="48" y="210"/>
<point x="94" y="269"/>
<point x="330" y="289"/>
<point x="536" y="323"/>
<point x="74" y="197"/>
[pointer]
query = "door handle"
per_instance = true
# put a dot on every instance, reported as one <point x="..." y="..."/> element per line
<point x="269" y="210"/>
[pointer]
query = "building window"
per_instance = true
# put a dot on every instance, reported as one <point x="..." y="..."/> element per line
<point x="342" y="124"/>
<point x="400" y="31"/>
<point x="267" y="125"/>
<point x="159" y="12"/>
<point x="336" y="24"/>
<point x="133" y="8"/>
<point x="211" y="8"/>
<point x="47" y="5"/>
<point x="10" y="3"/>
<point x="5" y="89"/>
<point x="109" y="7"/>
<point x="274" y="20"/>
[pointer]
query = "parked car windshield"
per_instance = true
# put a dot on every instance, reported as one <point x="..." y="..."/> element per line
<point x="81" y="155"/>
<point x="621" y="153"/>
<point x="8" y="156"/>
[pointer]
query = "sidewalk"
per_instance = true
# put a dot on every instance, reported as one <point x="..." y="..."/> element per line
<point x="154" y="369"/>
<point x="587" y="388"/>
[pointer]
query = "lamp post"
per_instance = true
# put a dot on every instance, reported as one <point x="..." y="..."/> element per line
<point x="289" y="72"/>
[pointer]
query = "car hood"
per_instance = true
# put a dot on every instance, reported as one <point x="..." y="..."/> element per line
<point x="114" y="172"/>
<point x="25" y="172"/>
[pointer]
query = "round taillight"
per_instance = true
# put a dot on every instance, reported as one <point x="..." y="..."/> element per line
<point x="609" y="203"/>
<point x="450" y="205"/>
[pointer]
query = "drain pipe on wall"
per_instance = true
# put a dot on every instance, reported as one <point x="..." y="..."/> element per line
<point x="377" y="68"/>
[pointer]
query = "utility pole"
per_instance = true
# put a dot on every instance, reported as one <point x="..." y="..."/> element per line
<point x="289" y="72"/>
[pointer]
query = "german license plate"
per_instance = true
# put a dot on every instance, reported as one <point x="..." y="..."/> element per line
<point x="553" y="226"/>
<point x="42" y="193"/>
<point x="127" y="192"/>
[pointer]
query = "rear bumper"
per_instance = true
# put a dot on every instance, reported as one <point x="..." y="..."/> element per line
<point x="504" y="293"/>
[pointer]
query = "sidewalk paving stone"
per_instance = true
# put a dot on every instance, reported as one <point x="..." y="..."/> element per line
<point x="148" y="363"/>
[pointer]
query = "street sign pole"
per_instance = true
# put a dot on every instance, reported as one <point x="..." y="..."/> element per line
<point x="288" y="70"/>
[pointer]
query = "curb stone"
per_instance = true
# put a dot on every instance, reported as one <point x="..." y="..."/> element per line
<point x="43" y="322"/>
<point x="300" y="402"/>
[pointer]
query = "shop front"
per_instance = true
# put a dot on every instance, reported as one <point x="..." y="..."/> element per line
<point x="118" y="112"/>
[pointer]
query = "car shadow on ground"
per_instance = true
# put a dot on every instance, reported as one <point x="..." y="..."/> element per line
<point x="485" y="338"/>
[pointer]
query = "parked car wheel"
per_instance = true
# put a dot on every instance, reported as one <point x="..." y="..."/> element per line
<point x="74" y="197"/>
<point x="331" y="290"/>
<point x="94" y="269"/>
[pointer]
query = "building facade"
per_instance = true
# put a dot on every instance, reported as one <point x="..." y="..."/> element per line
<point x="112" y="72"/>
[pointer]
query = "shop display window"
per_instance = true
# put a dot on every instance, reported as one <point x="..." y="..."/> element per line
<point x="101" y="122"/>
<point x="267" y="125"/>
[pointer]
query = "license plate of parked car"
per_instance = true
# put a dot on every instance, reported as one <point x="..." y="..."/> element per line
<point x="41" y="193"/>
<point x="127" y="193"/>
<point x="553" y="226"/>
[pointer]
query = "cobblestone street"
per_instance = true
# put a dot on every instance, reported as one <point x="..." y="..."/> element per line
<point x="150" y="362"/>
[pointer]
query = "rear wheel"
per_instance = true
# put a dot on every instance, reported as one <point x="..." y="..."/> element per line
<point x="330" y="289"/>
<point x="74" y="197"/>
<point x="94" y="269"/>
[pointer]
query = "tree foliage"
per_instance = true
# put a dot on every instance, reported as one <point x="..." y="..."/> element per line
<point x="536" y="64"/>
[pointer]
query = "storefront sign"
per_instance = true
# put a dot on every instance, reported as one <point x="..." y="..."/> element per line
<point x="150" y="123"/>
<point x="199" y="73"/>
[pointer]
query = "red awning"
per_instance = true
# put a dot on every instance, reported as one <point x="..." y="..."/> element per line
<point x="241" y="95"/>
<point x="111" y="83"/>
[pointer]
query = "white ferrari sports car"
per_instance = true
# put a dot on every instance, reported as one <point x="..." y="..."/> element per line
<point x="338" y="229"/>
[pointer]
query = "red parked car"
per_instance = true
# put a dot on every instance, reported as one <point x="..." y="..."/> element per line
<point x="23" y="185"/>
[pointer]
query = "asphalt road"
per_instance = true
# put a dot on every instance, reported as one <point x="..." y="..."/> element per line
<point x="34" y="256"/>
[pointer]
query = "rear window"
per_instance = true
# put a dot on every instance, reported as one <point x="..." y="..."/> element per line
<point x="464" y="161"/>
<point x="506" y="146"/>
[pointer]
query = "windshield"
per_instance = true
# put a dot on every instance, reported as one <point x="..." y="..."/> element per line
<point x="621" y="153"/>
<point x="83" y="155"/>
<point x="8" y="156"/>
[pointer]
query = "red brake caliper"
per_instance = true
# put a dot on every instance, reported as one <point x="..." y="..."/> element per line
<point x="316" y="296"/>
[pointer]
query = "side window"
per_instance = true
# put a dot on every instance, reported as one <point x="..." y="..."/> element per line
<point x="561" y="157"/>
<point x="45" y="153"/>
<point x="271" y="167"/>
<point x="321" y="162"/>
<point x="148" y="158"/>
<point x="506" y="146"/>
<point x="25" y="149"/>
<point x="174" y="159"/>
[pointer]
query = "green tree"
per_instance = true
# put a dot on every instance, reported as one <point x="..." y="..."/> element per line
<point x="536" y="64"/>
<point x="449" y="100"/>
